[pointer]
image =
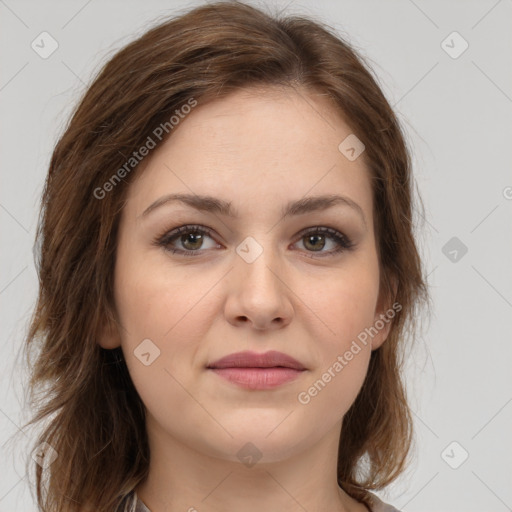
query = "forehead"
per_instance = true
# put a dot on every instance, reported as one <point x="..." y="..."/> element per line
<point x="255" y="147"/>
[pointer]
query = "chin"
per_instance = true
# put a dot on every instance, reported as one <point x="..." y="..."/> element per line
<point x="257" y="442"/>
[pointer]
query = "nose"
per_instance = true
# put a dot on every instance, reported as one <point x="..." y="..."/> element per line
<point x="258" y="292"/>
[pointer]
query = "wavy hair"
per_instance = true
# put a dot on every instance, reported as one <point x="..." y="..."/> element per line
<point x="94" y="419"/>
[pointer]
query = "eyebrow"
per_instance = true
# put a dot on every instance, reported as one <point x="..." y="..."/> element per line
<point x="214" y="205"/>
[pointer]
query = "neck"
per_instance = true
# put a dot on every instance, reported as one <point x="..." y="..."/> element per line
<point x="182" y="478"/>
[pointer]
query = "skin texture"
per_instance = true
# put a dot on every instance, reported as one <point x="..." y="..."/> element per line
<point x="258" y="149"/>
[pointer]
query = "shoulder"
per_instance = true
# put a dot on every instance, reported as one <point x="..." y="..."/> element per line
<point x="129" y="503"/>
<point x="377" y="505"/>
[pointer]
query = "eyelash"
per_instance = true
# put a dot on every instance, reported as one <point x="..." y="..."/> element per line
<point x="344" y="243"/>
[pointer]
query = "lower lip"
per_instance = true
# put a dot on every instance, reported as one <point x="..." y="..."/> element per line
<point x="258" y="378"/>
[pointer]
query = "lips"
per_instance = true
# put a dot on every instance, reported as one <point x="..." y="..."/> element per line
<point x="254" y="371"/>
<point x="271" y="359"/>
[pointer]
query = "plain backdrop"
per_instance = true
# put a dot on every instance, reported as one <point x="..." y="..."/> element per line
<point x="445" y="67"/>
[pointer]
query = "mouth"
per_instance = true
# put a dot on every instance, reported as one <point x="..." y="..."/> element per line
<point x="251" y="370"/>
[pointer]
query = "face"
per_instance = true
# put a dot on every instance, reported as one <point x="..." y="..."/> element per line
<point x="305" y="284"/>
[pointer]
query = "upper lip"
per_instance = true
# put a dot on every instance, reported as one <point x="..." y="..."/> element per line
<point x="248" y="359"/>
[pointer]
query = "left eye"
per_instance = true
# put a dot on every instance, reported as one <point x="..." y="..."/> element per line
<point x="192" y="239"/>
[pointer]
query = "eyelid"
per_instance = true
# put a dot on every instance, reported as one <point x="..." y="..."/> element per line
<point x="170" y="234"/>
<point x="343" y="242"/>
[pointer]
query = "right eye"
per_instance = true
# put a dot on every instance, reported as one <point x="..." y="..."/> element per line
<point x="192" y="236"/>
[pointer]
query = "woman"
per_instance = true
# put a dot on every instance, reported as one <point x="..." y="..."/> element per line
<point x="227" y="270"/>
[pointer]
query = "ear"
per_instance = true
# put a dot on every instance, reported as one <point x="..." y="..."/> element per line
<point x="385" y="311"/>
<point x="109" y="337"/>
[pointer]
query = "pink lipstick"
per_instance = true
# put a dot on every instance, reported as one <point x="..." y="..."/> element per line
<point x="251" y="370"/>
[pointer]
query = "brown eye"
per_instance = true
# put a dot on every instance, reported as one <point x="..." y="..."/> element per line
<point x="190" y="238"/>
<point x="315" y="240"/>
<point x="192" y="241"/>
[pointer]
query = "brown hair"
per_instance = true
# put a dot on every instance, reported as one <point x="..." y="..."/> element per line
<point x="95" y="418"/>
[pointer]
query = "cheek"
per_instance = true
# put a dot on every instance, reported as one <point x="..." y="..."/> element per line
<point x="347" y="309"/>
<point x="159" y="343"/>
<point x="335" y="383"/>
<point x="347" y="301"/>
<point x="163" y="322"/>
<point x="152" y="297"/>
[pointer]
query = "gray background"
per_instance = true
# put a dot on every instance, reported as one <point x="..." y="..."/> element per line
<point x="456" y="112"/>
